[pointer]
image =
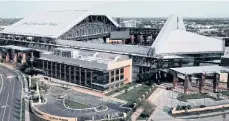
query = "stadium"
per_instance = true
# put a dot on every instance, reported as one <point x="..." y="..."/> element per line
<point x="79" y="47"/>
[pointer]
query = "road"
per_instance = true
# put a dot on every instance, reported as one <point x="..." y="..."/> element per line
<point x="10" y="95"/>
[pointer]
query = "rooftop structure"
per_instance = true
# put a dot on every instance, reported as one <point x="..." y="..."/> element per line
<point x="86" y="59"/>
<point x="51" y="24"/>
<point x="174" y="39"/>
<point x="16" y="48"/>
<point x="121" y="49"/>
<point x="200" y="69"/>
<point x="77" y="62"/>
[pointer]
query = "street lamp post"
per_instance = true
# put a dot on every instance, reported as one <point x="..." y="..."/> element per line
<point x="172" y="99"/>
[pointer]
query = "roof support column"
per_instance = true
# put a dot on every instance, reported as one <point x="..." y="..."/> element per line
<point x="43" y="64"/>
<point x="91" y="78"/>
<point x="15" y="58"/>
<point x="131" y="39"/>
<point x="7" y="57"/>
<point x="110" y="79"/>
<point x="75" y="75"/>
<point x="47" y="66"/>
<point x="85" y="77"/>
<point x="202" y="82"/>
<point x="60" y="72"/>
<point x="1" y="55"/>
<point x="215" y="82"/>
<point x="65" y="73"/>
<point x="24" y="58"/>
<point x="51" y="69"/>
<point x="79" y="75"/>
<point x="186" y="84"/>
<point x="227" y="81"/>
<point x="56" y="70"/>
<point x="69" y="74"/>
<point x="175" y="79"/>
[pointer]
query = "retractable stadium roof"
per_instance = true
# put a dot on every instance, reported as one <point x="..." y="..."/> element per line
<point x="49" y="24"/>
<point x="174" y="39"/>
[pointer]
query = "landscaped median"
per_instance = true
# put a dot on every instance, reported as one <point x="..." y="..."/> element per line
<point x="74" y="105"/>
<point x="185" y="97"/>
<point x="198" y="110"/>
<point x="136" y="94"/>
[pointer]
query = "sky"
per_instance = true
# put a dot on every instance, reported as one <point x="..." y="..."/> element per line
<point x="127" y="8"/>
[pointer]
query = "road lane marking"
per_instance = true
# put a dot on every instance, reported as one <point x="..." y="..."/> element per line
<point x="9" y="77"/>
<point x="1" y="84"/>
<point x="5" y="107"/>
<point x="11" y="101"/>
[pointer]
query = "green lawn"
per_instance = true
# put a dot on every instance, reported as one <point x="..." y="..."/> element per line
<point x="225" y="93"/>
<point x="119" y="89"/>
<point x="185" y="97"/>
<point x="133" y="94"/>
<point x="75" y="105"/>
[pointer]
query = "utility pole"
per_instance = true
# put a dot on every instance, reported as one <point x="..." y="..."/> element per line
<point x="172" y="99"/>
<point x="38" y="93"/>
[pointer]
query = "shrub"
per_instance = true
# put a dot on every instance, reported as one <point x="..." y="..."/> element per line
<point x="202" y="106"/>
<point x="178" y="107"/>
<point x="184" y="107"/>
<point x="189" y="107"/>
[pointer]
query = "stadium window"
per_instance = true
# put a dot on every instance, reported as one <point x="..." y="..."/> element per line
<point x="117" y="78"/>
<point x="117" y="72"/>
<point x="112" y="73"/>
<point x="121" y="77"/>
<point x="122" y="70"/>
<point x="112" y="79"/>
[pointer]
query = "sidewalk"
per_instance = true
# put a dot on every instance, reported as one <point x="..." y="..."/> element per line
<point x="139" y="110"/>
<point x="136" y="114"/>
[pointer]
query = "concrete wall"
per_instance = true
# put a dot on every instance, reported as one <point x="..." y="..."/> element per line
<point x="50" y="117"/>
<point x="174" y="111"/>
<point x="223" y="77"/>
<point x="127" y="65"/>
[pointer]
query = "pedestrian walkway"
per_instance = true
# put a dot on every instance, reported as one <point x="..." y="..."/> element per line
<point x="137" y="113"/>
<point x="139" y="110"/>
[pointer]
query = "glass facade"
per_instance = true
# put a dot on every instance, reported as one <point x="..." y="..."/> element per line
<point x="95" y="79"/>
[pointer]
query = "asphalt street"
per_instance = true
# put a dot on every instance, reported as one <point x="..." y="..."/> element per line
<point x="10" y="95"/>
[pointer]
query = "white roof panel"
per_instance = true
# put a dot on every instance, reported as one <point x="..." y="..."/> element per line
<point x="47" y="24"/>
<point x="173" y="23"/>
<point x="200" y="69"/>
<point x="174" y="39"/>
<point x="183" y="42"/>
